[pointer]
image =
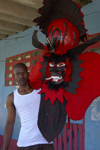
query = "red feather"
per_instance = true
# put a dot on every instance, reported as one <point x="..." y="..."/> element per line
<point x="50" y="94"/>
<point x="60" y="95"/>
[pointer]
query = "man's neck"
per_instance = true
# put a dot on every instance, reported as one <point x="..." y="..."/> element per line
<point x="25" y="89"/>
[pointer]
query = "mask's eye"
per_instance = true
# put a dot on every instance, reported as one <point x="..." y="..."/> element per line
<point x="61" y="64"/>
<point x="51" y="64"/>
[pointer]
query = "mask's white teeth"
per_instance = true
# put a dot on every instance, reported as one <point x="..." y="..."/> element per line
<point x="48" y="78"/>
<point x="55" y="78"/>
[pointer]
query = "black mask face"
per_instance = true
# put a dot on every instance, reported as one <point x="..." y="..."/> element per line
<point x="57" y="72"/>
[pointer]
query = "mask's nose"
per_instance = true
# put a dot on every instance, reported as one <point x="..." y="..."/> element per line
<point x="55" y="71"/>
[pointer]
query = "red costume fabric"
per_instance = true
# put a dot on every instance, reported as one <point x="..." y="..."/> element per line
<point x="68" y="78"/>
<point x="88" y="86"/>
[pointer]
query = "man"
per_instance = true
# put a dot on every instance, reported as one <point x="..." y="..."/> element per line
<point x="26" y="101"/>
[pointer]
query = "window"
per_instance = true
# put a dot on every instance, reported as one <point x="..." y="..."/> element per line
<point x="36" y="53"/>
<point x="34" y="62"/>
<point x="17" y="58"/>
<point x="29" y="59"/>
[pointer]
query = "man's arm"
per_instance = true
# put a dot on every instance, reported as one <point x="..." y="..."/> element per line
<point x="10" y="121"/>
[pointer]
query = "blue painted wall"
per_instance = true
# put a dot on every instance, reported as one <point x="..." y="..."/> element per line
<point x="92" y="117"/>
<point x="92" y="16"/>
<point x="21" y="43"/>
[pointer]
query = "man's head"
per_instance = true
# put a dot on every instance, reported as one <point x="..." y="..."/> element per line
<point x="21" y="74"/>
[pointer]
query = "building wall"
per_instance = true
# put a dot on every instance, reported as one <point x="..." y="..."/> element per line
<point x="21" y="43"/>
<point x="92" y="117"/>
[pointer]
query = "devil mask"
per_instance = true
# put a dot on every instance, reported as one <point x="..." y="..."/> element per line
<point x="57" y="72"/>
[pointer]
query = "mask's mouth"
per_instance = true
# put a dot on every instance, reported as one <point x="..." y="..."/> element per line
<point x="55" y="78"/>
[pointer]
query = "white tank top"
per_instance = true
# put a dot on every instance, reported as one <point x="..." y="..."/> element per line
<point x="27" y="107"/>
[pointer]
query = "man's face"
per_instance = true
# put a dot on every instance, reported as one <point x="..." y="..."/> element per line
<point x="21" y="75"/>
<point x="57" y="72"/>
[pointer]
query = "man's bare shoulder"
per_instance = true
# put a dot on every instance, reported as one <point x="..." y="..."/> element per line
<point x="10" y="98"/>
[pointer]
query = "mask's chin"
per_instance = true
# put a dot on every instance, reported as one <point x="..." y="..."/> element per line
<point x="55" y="84"/>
